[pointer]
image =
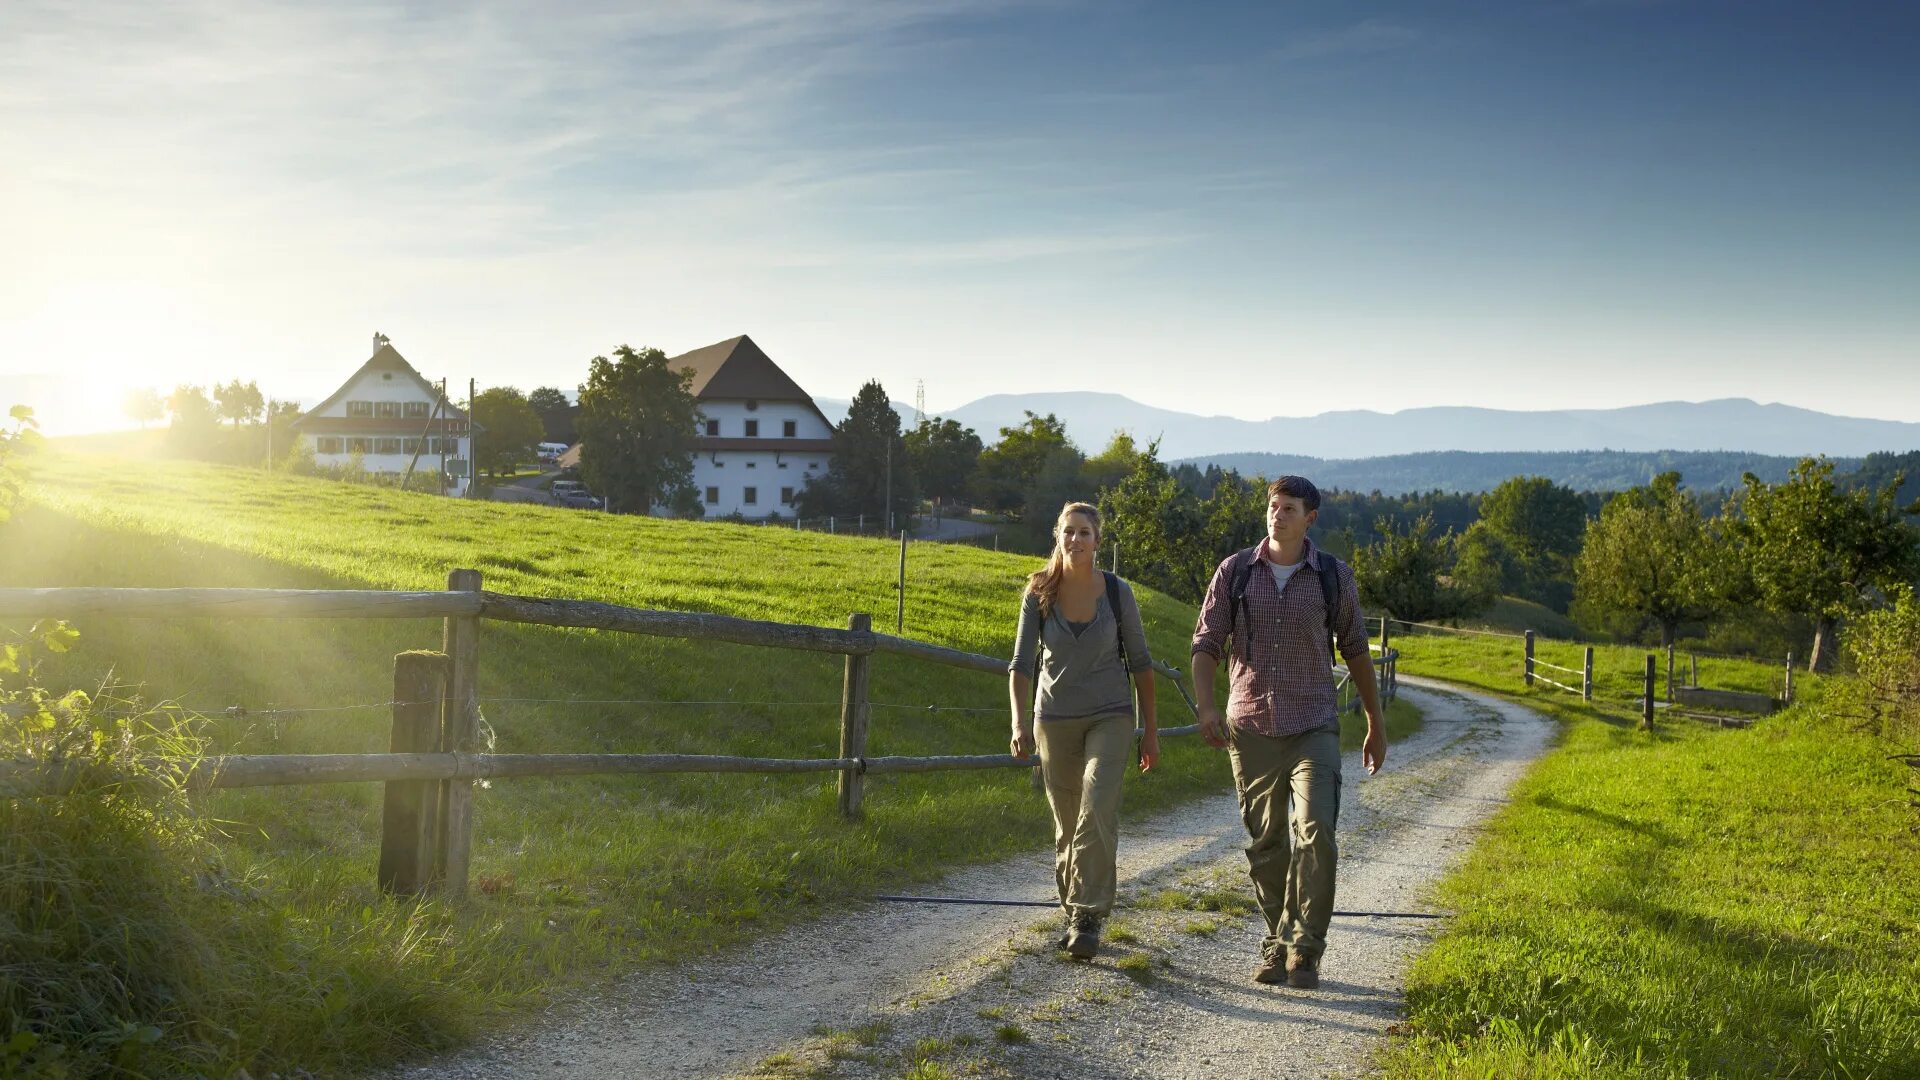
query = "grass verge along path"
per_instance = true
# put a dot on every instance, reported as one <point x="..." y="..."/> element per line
<point x="1685" y="902"/>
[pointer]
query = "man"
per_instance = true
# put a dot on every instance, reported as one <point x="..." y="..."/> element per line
<point x="1282" y="727"/>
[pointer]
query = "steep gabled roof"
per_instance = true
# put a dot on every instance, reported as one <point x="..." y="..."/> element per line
<point x="736" y="368"/>
<point x="387" y="358"/>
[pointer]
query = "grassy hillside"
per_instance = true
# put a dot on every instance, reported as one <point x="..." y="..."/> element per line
<point x="578" y="876"/>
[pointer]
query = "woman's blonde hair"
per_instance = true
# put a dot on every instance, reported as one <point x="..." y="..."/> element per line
<point x="1045" y="582"/>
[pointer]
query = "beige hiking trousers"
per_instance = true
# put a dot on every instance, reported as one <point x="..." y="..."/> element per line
<point x="1291" y="863"/>
<point x="1083" y="762"/>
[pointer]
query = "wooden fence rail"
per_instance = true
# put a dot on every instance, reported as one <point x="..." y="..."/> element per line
<point x="435" y="753"/>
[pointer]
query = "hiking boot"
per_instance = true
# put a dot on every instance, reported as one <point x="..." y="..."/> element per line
<point x="1083" y="940"/>
<point x="1303" y="974"/>
<point x="1272" y="970"/>
<point x="1066" y="934"/>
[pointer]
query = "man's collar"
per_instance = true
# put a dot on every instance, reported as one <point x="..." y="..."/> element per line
<point x="1311" y="552"/>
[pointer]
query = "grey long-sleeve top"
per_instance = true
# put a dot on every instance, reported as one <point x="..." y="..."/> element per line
<point x="1081" y="675"/>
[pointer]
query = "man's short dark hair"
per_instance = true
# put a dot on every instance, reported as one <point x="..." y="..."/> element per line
<point x="1297" y="486"/>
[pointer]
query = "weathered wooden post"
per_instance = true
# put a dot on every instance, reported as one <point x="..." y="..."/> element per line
<point x="1586" y="676"/>
<point x="853" y="717"/>
<point x="1646" y="697"/>
<point x="1386" y="632"/>
<point x="462" y="646"/>
<point x="1529" y="658"/>
<point x="1693" y="670"/>
<point x="1669" y="674"/>
<point x="900" y="613"/>
<point x="410" y="817"/>
<point x="1788" y="693"/>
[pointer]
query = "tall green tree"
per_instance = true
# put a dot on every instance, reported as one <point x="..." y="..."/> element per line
<point x="509" y="428"/>
<point x="1114" y="464"/>
<point x="1405" y="575"/>
<point x="638" y="422"/>
<point x="194" y="430"/>
<point x="555" y="422"/>
<point x="1530" y="529"/>
<point x="143" y="404"/>
<point x="239" y="402"/>
<point x="870" y="463"/>
<point x="1008" y="469"/>
<point x="1652" y="556"/>
<point x="942" y="455"/>
<point x="1815" y="549"/>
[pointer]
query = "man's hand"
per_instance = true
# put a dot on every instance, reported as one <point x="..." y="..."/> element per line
<point x="1213" y="726"/>
<point x="1373" y="752"/>
<point x="1149" y="750"/>
<point x="1021" y="744"/>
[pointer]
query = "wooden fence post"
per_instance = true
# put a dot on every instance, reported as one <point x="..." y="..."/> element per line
<point x="1693" y="670"/>
<point x="853" y="718"/>
<point x="1788" y="693"/>
<point x="1586" y="676"/>
<point x="1646" y="697"/>
<point x="462" y="646"/>
<point x="1386" y="632"/>
<point x="1529" y="658"/>
<point x="1669" y="674"/>
<point x="900" y="613"/>
<point x="410" y="817"/>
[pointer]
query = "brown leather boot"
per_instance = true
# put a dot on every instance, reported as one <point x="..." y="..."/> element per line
<point x="1303" y="974"/>
<point x="1272" y="970"/>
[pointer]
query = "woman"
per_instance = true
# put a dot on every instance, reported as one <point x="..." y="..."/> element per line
<point x="1083" y="651"/>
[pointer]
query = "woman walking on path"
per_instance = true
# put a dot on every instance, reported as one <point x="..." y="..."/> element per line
<point x="1080" y="633"/>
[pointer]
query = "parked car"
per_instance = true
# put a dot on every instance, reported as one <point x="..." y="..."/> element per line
<point x="561" y="487"/>
<point x="580" y="498"/>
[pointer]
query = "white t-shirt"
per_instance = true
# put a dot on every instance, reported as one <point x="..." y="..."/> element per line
<point x="1284" y="574"/>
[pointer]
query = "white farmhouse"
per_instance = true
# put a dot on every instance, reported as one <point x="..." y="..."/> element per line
<point x="761" y="437"/>
<point x="392" y="418"/>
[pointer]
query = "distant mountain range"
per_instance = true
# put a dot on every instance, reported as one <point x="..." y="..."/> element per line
<point x="1459" y="448"/>
<point x="1461" y="471"/>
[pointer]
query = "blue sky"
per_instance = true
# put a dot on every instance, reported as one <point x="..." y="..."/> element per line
<point x="1255" y="210"/>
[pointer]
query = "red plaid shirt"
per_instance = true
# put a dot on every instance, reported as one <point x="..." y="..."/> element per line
<point x="1285" y="686"/>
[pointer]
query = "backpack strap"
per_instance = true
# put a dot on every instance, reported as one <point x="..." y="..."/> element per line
<point x="1330" y="592"/>
<point x="1243" y="563"/>
<point x="1113" y="604"/>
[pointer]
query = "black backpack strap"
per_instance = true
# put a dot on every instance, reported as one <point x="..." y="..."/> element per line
<point x="1237" y="598"/>
<point x="1113" y="603"/>
<point x="1330" y="592"/>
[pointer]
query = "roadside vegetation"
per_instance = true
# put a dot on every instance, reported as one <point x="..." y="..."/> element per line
<point x="573" y="879"/>
<point x="1690" y="901"/>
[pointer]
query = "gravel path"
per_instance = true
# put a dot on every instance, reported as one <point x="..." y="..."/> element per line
<point x="980" y="990"/>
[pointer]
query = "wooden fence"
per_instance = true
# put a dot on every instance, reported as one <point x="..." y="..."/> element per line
<point x="435" y="751"/>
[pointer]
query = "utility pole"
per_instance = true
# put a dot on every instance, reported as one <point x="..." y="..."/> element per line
<point x="443" y="443"/>
<point x="473" y="445"/>
<point x="886" y="511"/>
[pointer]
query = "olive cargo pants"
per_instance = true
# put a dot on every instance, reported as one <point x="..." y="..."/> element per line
<point x="1083" y="762"/>
<point x="1292" y="868"/>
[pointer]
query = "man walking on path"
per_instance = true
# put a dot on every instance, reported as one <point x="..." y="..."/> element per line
<point x="1285" y="603"/>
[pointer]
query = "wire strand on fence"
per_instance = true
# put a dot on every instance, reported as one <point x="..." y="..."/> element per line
<point x="1539" y="663"/>
<point x="1550" y="682"/>
<point x="1459" y="630"/>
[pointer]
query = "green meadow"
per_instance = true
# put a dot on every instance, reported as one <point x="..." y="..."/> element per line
<point x="574" y="879"/>
<point x="1686" y="902"/>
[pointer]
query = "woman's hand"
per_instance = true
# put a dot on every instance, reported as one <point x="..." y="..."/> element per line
<point x="1021" y="744"/>
<point x="1149" y="750"/>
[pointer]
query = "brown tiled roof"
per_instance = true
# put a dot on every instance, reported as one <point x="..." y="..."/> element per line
<point x="785" y="446"/>
<point x="737" y="369"/>
<point x="386" y="358"/>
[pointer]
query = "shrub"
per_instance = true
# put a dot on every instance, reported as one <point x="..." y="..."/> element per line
<point x="1884" y="648"/>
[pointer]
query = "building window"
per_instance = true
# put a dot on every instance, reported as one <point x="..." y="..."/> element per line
<point x="783" y="464"/>
<point x="359" y="408"/>
<point x="813" y="464"/>
<point x="410" y="446"/>
<point x="786" y="496"/>
<point x="359" y="446"/>
<point x="750" y="496"/>
<point x="328" y="444"/>
<point x="386" y="446"/>
<point x="789" y="428"/>
<point x="713" y="428"/>
<point x="753" y="429"/>
<point x="753" y="464"/>
<point x="713" y="496"/>
<point x="386" y="410"/>
<point x="416" y="410"/>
